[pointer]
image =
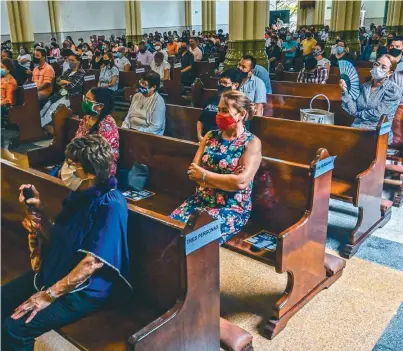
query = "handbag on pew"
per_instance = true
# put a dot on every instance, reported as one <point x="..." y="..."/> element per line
<point x="135" y="178"/>
<point x="316" y="115"/>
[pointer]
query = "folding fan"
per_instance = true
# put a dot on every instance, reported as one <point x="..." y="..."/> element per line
<point x="349" y="74"/>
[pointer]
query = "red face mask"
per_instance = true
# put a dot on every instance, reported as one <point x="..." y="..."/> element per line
<point x="224" y="121"/>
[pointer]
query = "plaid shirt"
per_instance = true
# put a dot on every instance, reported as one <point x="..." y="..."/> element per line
<point x="76" y="81"/>
<point x="319" y="76"/>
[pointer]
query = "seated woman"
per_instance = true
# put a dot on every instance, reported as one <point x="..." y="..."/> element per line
<point x="230" y="79"/>
<point x="374" y="50"/>
<point x="24" y="58"/>
<point x="8" y="86"/>
<point x="109" y="75"/>
<point x="160" y="66"/>
<point x="312" y="73"/>
<point x="97" y="59"/>
<point x="55" y="49"/>
<point x="79" y="261"/>
<point x="341" y="54"/>
<point x="318" y="50"/>
<point x="224" y="168"/>
<point x="377" y="97"/>
<point x="70" y="84"/>
<point x="147" y="109"/>
<point x="97" y="105"/>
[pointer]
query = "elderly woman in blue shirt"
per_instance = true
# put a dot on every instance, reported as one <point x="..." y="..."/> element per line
<point x="83" y="260"/>
<point x="377" y="97"/>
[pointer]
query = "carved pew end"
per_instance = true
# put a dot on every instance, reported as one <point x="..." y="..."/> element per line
<point x="233" y="337"/>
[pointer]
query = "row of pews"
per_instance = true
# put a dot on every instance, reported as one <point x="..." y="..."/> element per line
<point x="170" y="308"/>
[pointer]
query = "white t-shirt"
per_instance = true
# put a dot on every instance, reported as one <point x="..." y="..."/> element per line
<point x="198" y="55"/>
<point x="121" y="63"/>
<point x="88" y="54"/>
<point x="161" y="68"/>
<point x="26" y="64"/>
<point x="164" y="53"/>
<point x="323" y="62"/>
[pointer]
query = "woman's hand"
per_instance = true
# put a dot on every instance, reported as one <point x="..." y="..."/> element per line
<point x="32" y="201"/>
<point x="195" y="172"/>
<point x="343" y="85"/>
<point x="35" y="303"/>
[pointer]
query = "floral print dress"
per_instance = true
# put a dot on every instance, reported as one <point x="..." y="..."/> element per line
<point x="232" y="208"/>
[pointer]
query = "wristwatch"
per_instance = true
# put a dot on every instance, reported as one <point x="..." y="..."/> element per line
<point x="49" y="292"/>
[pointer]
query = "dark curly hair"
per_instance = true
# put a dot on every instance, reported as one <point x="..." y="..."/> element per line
<point x="94" y="153"/>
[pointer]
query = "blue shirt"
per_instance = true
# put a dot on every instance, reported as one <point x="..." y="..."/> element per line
<point x="93" y="222"/>
<point x="289" y="45"/>
<point x="254" y="89"/>
<point x="263" y="74"/>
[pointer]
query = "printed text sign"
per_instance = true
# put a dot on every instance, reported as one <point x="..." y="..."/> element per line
<point x="202" y="236"/>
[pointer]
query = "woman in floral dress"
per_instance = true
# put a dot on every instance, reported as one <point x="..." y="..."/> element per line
<point x="224" y="167"/>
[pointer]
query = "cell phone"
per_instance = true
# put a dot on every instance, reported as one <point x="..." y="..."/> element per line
<point x="28" y="193"/>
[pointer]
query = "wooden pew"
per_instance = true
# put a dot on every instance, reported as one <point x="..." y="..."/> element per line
<point x="181" y="122"/>
<point x="359" y="167"/>
<point x="131" y="78"/>
<point x="169" y="309"/>
<point x="27" y="116"/>
<point x="297" y="217"/>
<point x="173" y="87"/>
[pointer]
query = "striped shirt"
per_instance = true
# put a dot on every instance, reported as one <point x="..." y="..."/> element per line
<point x="369" y="107"/>
<point x="319" y="76"/>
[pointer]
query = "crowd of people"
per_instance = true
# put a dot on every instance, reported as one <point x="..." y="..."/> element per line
<point x="223" y="168"/>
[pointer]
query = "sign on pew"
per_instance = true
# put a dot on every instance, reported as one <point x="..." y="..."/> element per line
<point x="324" y="166"/>
<point x="385" y="128"/>
<point x="88" y="78"/>
<point x="202" y="237"/>
<point x="29" y="86"/>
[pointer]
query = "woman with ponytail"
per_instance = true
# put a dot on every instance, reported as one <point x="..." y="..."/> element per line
<point x="97" y="105"/>
<point x="224" y="167"/>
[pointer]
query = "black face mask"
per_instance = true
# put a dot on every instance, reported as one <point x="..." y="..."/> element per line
<point x="222" y="89"/>
<point x="142" y="51"/>
<point x="309" y="35"/>
<point x="395" y="52"/>
<point x="107" y="62"/>
<point x="36" y="60"/>
<point x="375" y="41"/>
<point x="243" y="74"/>
<point x="97" y="53"/>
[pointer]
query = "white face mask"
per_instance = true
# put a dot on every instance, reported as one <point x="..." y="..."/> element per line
<point x="378" y="73"/>
<point x="69" y="179"/>
<point x="157" y="47"/>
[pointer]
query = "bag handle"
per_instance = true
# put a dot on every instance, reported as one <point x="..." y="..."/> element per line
<point x="328" y="102"/>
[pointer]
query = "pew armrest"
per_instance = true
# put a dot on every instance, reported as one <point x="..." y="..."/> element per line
<point x="233" y="338"/>
<point x="333" y="264"/>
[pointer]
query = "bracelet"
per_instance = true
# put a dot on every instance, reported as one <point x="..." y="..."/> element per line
<point x="204" y="177"/>
<point x="50" y="294"/>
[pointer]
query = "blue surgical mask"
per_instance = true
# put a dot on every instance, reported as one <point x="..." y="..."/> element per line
<point x="339" y="50"/>
<point x="119" y="55"/>
<point x="144" y="91"/>
<point x="2" y="72"/>
<point x="288" y="38"/>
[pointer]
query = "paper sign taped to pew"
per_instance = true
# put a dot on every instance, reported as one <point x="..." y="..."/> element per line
<point x="263" y="240"/>
<point x="324" y="166"/>
<point x="140" y="70"/>
<point x="29" y="86"/>
<point x="178" y="65"/>
<point x="52" y="60"/>
<point x="202" y="236"/>
<point x="385" y="128"/>
<point x="211" y="60"/>
<point x="87" y="78"/>
<point x="137" y="195"/>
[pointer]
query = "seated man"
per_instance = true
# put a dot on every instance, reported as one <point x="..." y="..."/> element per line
<point x="308" y="43"/>
<point x="161" y="66"/>
<point x="70" y="83"/>
<point x="229" y="80"/>
<point x="19" y="72"/>
<point x="144" y="57"/>
<point x="290" y="52"/>
<point x="312" y="73"/>
<point x="273" y="53"/>
<point x="43" y="75"/>
<point x="121" y="62"/>
<point x="263" y="74"/>
<point x="147" y="109"/>
<point x="252" y="86"/>
<point x="158" y="48"/>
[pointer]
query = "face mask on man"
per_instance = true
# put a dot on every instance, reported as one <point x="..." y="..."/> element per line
<point x="2" y="72"/>
<point x="222" y="88"/>
<point x="143" y="50"/>
<point x="395" y="52"/>
<point x="243" y="74"/>
<point x="157" y="47"/>
<point x="378" y="73"/>
<point x="288" y="38"/>
<point x="119" y="55"/>
<point x="375" y="41"/>
<point x="22" y="52"/>
<point x="339" y="50"/>
<point x="36" y="60"/>
<point x="143" y="90"/>
<point x="225" y="121"/>
<point x="97" y="53"/>
<point x="72" y="65"/>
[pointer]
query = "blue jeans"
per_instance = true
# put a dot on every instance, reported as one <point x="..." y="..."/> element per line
<point x="16" y="335"/>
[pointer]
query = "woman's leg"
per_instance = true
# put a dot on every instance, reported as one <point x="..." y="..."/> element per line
<point x="65" y="310"/>
<point x="183" y="212"/>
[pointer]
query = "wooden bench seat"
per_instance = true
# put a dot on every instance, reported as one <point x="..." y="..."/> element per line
<point x="298" y="216"/>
